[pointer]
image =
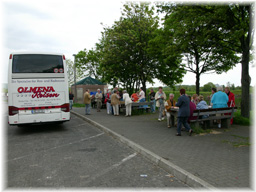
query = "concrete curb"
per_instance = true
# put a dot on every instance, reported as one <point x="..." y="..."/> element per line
<point x="177" y="171"/>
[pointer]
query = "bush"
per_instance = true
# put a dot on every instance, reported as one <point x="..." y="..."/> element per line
<point x="239" y="120"/>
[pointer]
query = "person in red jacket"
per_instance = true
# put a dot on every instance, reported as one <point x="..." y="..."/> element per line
<point x="231" y="100"/>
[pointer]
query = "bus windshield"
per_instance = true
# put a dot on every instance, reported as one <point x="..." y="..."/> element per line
<point x="37" y="63"/>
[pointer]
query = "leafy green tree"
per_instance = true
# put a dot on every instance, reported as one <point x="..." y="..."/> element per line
<point x="88" y="62"/>
<point x="208" y="87"/>
<point x="195" y="34"/>
<point x="233" y="87"/>
<point x="168" y="58"/>
<point x="127" y="56"/>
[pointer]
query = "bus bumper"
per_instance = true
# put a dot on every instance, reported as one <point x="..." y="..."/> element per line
<point x="39" y="118"/>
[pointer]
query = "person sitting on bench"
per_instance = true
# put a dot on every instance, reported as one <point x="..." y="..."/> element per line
<point x="202" y="105"/>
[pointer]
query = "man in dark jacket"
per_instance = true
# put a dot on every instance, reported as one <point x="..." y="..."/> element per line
<point x="184" y="112"/>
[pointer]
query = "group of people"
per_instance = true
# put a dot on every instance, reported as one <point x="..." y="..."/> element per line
<point x="185" y="103"/>
<point x="188" y="104"/>
<point x="112" y="100"/>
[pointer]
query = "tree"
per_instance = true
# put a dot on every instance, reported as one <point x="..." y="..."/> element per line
<point x="233" y="87"/>
<point x="236" y="21"/>
<point x="70" y="71"/>
<point x="195" y="34"/>
<point x="88" y="62"/>
<point x="126" y="52"/>
<point x="164" y="50"/>
<point x="208" y="86"/>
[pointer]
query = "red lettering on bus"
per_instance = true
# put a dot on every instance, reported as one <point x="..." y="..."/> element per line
<point x="39" y="92"/>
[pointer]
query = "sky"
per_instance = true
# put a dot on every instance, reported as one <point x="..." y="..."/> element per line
<point x="70" y="26"/>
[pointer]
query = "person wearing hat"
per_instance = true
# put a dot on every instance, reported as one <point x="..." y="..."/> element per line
<point x="202" y="105"/>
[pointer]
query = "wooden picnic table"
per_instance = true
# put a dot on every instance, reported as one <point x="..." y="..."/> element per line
<point x="225" y="114"/>
<point x="136" y="105"/>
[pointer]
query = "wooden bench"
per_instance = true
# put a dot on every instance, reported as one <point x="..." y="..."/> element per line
<point x="136" y="105"/>
<point x="225" y="115"/>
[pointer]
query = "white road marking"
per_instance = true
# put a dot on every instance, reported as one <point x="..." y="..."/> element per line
<point x="46" y="150"/>
<point x="110" y="168"/>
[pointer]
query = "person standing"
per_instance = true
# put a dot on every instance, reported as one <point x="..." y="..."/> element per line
<point x="98" y="98"/>
<point x="171" y="103"/>
<point x="120" y="93"/>
<point x="184" y="112"/>
<point x="160" y="97"/>
<point x="128" y="103"/>
<point x="87" y="102"/>
<point x="219" y="100"/>
<point x="231" y="100"/>
<point x="108" y="102"/>
<point x="152" y="100"/>
<point x="71" y="100"/>
<point x="115" y="102"/>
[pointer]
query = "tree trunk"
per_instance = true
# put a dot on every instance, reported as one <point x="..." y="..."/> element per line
<point x="197" y="72"/>
<point x="246" y="79"/>
<point x="144" y="87"/>
<point x="245" y="82"/>
<point x="197" y="83"/>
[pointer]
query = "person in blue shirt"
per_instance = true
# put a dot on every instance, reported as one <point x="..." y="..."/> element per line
<point x="219" y="100"/>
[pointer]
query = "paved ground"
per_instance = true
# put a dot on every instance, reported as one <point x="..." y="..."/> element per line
<point x="211" y="157"/>
<point x="75" y="155"/>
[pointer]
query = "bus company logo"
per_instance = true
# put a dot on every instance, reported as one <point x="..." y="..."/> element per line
<point x="39" y="92"/>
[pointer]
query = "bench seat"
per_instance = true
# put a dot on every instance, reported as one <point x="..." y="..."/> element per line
<point x="225" y="115"/>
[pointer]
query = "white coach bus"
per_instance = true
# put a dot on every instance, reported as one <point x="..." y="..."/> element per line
<point x="37" y="88"/>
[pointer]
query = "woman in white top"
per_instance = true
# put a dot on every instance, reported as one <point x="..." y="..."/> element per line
<point x="160" y="99"/>
<point x="128" y="103"/>
<point x="141" y="95"/>
<point x="142" y="98"/>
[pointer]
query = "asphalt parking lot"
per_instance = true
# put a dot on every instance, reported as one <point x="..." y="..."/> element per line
<point x="76" y="155"/>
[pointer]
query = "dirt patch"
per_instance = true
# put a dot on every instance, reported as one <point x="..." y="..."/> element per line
<point x="214" y="132"/>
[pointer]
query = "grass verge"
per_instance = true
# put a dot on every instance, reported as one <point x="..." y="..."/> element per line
<point x="78" y="105"/>
<point x="240" y="141"/>
<point x="199" y="130"/>
<point x="239" y="120"/>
